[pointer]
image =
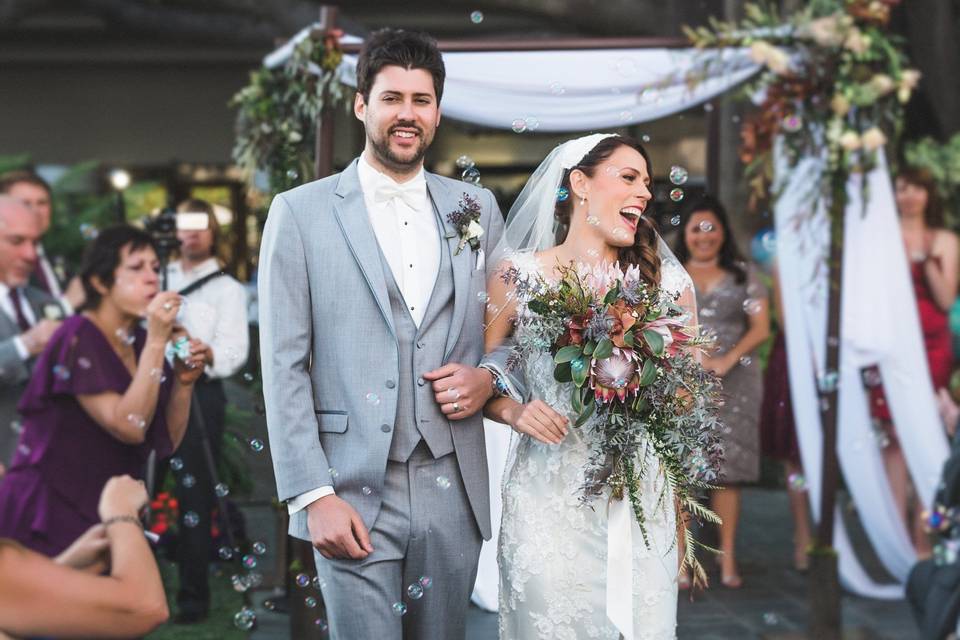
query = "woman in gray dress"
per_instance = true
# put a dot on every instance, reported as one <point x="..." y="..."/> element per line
<point x="733" y="307"/>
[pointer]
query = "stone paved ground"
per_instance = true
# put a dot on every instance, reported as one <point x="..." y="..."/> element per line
<point x="772" y="603"/>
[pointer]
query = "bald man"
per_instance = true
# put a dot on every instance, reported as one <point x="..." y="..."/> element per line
<point x="28" y="316"/>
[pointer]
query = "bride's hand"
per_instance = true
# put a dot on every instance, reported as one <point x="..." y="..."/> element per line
<point x="538" y="420"/>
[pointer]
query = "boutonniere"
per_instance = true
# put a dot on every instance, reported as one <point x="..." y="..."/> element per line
<point x="466" y="220"/>
<point x="52" y="312"/>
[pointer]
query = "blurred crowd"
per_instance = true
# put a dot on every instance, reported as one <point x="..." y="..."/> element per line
<point x="104" y="378"/>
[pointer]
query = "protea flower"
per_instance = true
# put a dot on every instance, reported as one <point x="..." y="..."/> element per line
<point x="616" y="375"/>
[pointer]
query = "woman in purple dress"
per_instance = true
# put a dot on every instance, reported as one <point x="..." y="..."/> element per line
<point x="102" y="396"/>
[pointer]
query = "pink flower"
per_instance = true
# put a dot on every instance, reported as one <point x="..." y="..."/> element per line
<point x="616" y="375"/>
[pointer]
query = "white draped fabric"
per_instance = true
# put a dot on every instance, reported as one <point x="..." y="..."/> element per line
<point x="879" y="326"/>
<point x="582" y="90"/>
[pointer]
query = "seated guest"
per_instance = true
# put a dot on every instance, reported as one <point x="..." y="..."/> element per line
<point x="69" y="596"/>
<point x="101" y="397"/>
<point x="28" y="319"/>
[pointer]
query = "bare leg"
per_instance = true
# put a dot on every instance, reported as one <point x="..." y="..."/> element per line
<point x="898" y="477"/>
<point x="801" y="521"/>
<point x="726" y="504"/>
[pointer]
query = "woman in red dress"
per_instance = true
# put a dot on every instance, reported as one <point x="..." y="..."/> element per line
<point x="934" y="254"/>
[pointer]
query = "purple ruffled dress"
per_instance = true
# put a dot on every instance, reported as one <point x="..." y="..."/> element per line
<point x="50" y="494"/>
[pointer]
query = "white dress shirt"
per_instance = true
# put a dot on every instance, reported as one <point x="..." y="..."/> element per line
<point x="405" y="224"/>
<point x="7" y="305"/>
<point x="216" y="313"/>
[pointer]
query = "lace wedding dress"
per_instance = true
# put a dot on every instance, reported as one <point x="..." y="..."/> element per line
<point x="553" y="549"/>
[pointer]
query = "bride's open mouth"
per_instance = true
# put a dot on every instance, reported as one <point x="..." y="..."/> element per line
<point x="632" y="216"/>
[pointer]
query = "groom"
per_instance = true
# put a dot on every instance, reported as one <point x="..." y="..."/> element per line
<point x="372" y="304"/>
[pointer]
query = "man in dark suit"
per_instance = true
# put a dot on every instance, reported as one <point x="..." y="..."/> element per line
<point x="28" y="316"/>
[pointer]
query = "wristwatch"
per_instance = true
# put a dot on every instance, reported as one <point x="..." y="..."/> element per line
<point x="498" y="384"/>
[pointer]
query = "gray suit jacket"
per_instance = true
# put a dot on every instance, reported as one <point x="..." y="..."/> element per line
<point x="14" y="372"/>
<point x="327" y="339"/>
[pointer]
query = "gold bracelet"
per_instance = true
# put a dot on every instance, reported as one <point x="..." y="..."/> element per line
<point x="131" y="519"/>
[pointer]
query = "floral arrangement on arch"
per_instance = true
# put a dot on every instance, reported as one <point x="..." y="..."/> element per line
<point x="277" y="112"/>
<point x="833" y="78"/>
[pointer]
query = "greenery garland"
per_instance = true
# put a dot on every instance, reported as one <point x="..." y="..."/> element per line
<point x="277" y="112"/>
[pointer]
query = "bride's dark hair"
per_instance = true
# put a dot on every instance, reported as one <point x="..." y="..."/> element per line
<point x="644" y="251"/>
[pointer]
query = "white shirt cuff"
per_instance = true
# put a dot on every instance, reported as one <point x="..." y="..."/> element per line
<point x="21" y="348"/>
<point x="304" y="500"/>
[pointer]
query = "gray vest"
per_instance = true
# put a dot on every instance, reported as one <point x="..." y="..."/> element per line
<point x="418" y="414"/>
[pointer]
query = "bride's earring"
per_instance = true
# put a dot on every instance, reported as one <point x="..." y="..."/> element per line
<point x="583" y="200"/>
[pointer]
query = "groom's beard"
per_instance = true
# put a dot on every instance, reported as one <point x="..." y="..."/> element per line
<point x="386" y="155"/>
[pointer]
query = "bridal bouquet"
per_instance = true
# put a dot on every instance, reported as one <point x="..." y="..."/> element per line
<point x="629" y="356"/>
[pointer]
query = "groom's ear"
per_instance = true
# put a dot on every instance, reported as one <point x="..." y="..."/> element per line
<point x="359" y="106"/>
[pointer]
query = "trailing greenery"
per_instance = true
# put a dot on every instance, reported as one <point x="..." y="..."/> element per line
<point x="277" y="112"/>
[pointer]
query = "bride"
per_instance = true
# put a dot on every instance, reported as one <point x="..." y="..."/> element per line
<point x="568" y="571"/>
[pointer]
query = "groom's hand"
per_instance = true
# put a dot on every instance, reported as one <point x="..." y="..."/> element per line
<point x="336" y="529"/>
<point x="460" y="390"/>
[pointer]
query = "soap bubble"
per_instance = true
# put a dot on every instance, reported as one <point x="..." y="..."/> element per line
<point x="752" y="306"/>
<point x="443" y="482"/>
<point x="302" y="580"/>
<point x="425" y="581"/>
<point x="465" y="162"/>
<point x="225" y="553"/>
<point x="562" y="194"/>
<point x="476" y="17"/>
<point x="256" y="445"/>
<point x="676" y="194"/>
<point x="519" y="125"/>
<point x="84" y="363"/>
<point x="245" y="619"/>
<point x="310" y="602"/>
<point x="61" y="372"/>
<point x="706" y="226"/>
<point x="188" y="480"/>
<point x="373" y="398"/>
<point x="191" y="519"/>
<point x="675" y="221"/>
<point x="557" y="89"/>
<point x="471" y="175"/>
<point x="176" y="463"/>
<point x="399" y="608"/>
<point x="249" y="561"/>
<point x="88" y="231"/>
<point x="678" y="175"/>
<point x="259" y="548"/>
<point x="593" y="221"/>
<point x="415" y="591"/>
<point x="746" y="361"/>
<point x="366" y="491"/>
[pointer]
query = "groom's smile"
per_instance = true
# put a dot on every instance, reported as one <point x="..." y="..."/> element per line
<point x="400" y="118"/>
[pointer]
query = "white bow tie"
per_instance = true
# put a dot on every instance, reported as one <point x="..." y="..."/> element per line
<point x="412" y="193"/>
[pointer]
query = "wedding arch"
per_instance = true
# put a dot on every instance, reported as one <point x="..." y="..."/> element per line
<point x="844" y="237"/>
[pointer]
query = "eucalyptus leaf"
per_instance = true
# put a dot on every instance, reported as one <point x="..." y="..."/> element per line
<point x="580" y="370"/>
<point x="585" y="414"/>
<point x="604" y="349"/>
<point x="655" y="340"/>
<point x="566" y="354"/>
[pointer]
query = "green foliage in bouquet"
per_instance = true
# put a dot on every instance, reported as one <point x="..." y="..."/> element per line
<point x="277" y="112"/>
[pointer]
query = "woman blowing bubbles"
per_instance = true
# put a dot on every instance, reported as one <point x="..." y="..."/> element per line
<point x="102" y="396"/>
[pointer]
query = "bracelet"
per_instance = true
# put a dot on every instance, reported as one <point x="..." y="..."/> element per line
<point x="131" y="519"/>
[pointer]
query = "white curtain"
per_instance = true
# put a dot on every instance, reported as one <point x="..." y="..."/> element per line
<point x="880" y="326"/>
<point x="570" y="90"/>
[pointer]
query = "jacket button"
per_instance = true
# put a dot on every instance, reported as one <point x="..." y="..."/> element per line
<point x="419" y="345"/>
<point x="391" y="384"/>
<point x="385" y="428"/>
<point x="421" y="381"/>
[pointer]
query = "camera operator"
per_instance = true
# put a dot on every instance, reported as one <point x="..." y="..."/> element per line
<point x="215" y="311"/>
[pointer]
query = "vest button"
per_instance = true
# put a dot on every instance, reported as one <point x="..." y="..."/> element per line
<point x="385" y="428"/>
<point x="421" y="381"/>
<point x="391" y="384"/>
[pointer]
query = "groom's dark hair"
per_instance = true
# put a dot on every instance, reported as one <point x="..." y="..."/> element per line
<point x="396" y="47"/>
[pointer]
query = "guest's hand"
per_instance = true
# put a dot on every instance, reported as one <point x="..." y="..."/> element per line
<point x="460" y="390"/>
<point x="337" y="530"/>
<point x="720" y="365"/>
<point x="538" y="420"/>
<point x="35" y="339"/>
<point x="161" y="315"/>
<point x="75" y="294"/>
<point x="122" y="496"/>
<point x="89" y="552"/>
<point x="189" y="371"/>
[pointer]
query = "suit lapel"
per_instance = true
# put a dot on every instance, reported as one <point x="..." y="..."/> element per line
<point x="444" y="203"/>
<point x="351" y="214"/>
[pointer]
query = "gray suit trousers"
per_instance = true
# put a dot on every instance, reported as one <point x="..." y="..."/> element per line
<point x="425" y="534"/>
